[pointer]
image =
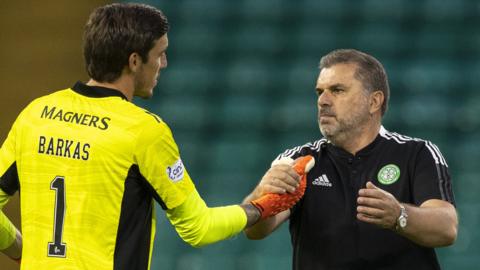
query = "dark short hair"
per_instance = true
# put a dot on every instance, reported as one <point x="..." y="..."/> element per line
<point x="369" y="70"/>
<point x="113" y="32"/>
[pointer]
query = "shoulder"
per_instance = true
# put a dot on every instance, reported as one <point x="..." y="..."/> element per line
<point x="39" y="103"/>
<point x="400" y="139"/>
<point x="417" y="145"/>
<point x="303" y="150"/>
<point x="56" y="95"/>
<point x="150" y="124"/>
<point x="144" y="116"/>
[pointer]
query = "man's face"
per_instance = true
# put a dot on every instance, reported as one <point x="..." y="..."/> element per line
<point x="343" y="104"/>
<point x="149" y="72"/>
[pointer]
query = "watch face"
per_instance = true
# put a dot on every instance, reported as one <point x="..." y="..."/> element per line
<point x="403" y="222"/>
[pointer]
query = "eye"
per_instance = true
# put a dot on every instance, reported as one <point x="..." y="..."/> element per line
<point x="337" y="90"/>
<point x="319" y="91"/>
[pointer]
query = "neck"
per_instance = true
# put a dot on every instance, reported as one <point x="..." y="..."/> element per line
<point x="122" y="85"/>
<point x="359" y="139"/>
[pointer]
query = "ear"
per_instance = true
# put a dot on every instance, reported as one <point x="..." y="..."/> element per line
<point x="376" y="101"/>
<point x="134" y="61"/>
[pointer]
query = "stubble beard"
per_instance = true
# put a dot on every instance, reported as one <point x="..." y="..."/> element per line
<point x="142" y="89"/>
<point x="344" y="129"/>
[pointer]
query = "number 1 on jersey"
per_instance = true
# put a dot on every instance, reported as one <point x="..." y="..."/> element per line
<point x="57" y="248"/>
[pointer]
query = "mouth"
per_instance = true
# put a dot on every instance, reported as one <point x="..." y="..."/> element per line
<point x="326" y="115"/>
<point x="325" y="118"/>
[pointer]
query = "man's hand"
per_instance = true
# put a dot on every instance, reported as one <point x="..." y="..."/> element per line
<point x="433" y="224"/>
<point x="378" y="207"/>
<point x="280" y="178"/>
<point x="271" y="204"/>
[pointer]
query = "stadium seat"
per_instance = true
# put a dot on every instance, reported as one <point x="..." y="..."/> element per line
<point x="469" y="150"/>
<point x="211" y="11"/>
<point x="426" y="112"/>
<point x="183" y="113"/>
<point x="444" y="10"/>
<point x="188" y="77"/>
<point x="379" y="10"/>
<point x="252" y="39"/>
<point x="427" y="74"/>
<point x="237" y="154"/>
<point x="316" y="37"/>
<point x="324" y="9"/>
<point x="438" y="42"/>
<point x="205" y="36"/>
<point x="296" y="112"/>
<point x="384" y="39"/>
<point x="243" y="112"/>
<point x="266" y="10"/>
<point x="248" y="76"/>
<point x="302" y="77"/>
<point x="469" y="185"/>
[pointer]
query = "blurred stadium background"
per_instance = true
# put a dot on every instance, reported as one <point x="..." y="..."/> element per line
<point x="239" y="88"/>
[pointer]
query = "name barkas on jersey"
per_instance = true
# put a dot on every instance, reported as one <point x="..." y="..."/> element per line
<point x="63" y="148"/>
<point x="84" y="119"/>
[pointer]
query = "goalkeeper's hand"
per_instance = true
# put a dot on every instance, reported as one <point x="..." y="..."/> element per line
<point x="271" y="204"/>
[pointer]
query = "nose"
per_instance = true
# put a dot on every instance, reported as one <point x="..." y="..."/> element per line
<point x="164" y="61"/>
<point x="324" y="99"/>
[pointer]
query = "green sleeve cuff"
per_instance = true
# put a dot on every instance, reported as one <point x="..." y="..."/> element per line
<point x="8" y="232"/>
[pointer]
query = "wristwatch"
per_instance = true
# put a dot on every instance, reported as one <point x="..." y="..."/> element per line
<point x="402" y="219"/>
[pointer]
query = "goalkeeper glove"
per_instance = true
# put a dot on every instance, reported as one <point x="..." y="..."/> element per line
<point x="271" y="204"/>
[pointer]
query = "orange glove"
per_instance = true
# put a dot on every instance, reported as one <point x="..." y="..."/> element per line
<point x="271" y="204"/>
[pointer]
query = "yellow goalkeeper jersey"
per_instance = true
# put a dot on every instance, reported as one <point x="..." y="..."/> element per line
<point x="88" y="164"/>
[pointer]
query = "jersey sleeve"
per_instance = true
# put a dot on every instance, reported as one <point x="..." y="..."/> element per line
<point x="8" y="231"/>
<point x="431" y="176"/>
<point x="9" y="184"/>
<point x="159" y="161"/>
<point x="199" y="225"/>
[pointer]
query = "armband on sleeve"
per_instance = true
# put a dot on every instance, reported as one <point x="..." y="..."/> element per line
<point x="199" y="225"/>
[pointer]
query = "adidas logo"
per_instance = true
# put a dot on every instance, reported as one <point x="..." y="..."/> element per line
<point x="322" y="181"/>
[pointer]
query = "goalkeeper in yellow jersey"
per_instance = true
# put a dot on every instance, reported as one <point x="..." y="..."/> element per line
<point x="90" y="164"/>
